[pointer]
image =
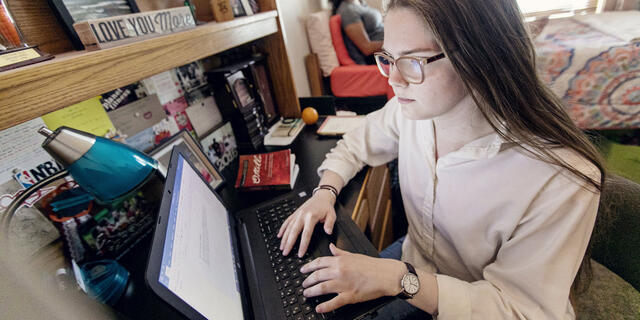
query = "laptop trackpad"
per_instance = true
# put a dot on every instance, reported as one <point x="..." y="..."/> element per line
<point x="342" y="237"/>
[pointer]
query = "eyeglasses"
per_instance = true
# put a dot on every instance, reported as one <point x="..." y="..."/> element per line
<point x="411" y="68"/>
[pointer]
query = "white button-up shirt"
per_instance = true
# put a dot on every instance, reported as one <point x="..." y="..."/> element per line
<point x="503" y="231"/>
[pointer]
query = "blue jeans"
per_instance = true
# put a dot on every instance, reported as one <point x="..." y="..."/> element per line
<point x="399" y="309"/>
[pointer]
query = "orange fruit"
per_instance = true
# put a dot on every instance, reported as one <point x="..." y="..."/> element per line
<point x="309" y="115"/>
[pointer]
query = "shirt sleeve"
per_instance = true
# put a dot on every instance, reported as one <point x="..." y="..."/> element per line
<point x="375" y="143"/>
<point x="348" y="15"/>
<point x="534" y="269"/>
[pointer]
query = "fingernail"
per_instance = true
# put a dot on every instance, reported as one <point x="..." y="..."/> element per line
<point x="318" y="309"/>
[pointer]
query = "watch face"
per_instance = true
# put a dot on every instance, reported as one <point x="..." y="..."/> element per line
<point x="410" y="283"/>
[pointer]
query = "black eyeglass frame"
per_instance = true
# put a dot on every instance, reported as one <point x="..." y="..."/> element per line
<point x="422" y="60"/>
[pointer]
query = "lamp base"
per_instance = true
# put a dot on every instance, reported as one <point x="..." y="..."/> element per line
<point x="18" y="57"/>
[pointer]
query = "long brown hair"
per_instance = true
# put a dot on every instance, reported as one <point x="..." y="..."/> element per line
<point x="490" y="48"/>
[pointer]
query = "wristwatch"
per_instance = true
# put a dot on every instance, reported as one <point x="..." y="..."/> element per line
<point x="409" y="283"/>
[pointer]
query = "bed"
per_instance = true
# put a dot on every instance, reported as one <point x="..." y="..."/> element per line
<point x="593" y="63"/>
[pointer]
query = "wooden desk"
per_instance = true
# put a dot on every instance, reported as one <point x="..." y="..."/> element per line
<point x="310" y="151"/>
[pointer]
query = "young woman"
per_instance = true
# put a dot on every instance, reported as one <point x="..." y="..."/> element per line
<point x="500" y="188"/>
<point x="363" y="27"/>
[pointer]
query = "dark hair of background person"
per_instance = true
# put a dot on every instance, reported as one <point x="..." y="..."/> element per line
<point x="490" y="48"/>
<point x="336" y="4"/>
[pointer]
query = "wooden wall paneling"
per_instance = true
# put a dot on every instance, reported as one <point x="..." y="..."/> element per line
<point x="40" y="26"/>
<point x="372" y="211"/>
<point x="281" y="76"/>
<point x="314" y="74"/>
<point x="379" y="194"/>
<point x="386" y="237"/>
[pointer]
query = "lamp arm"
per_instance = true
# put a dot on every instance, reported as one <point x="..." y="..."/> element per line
<point x="15" y="204"/>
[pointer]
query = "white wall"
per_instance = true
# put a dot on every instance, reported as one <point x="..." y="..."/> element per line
<point x="292" y="16"/>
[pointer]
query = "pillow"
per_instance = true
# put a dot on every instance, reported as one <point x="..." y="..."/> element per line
<point x="320" y="40"/>
<point x="607" y="297"/>
<point x="335" y="25"/>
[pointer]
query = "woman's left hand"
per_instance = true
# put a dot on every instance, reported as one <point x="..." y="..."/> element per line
<point x="354" y="277"/>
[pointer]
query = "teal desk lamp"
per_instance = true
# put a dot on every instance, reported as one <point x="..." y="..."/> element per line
<point x="106" y="169"/>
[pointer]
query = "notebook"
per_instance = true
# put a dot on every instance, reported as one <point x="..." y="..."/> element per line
<point x="210" y="263"/>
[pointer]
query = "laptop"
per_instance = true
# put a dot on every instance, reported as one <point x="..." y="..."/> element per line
<point x="210" y="263"/>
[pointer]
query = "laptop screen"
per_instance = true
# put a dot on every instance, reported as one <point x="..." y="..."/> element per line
<point x="197" y="262"/>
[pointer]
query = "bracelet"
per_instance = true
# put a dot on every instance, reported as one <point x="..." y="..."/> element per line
<point x="331" y="188"/>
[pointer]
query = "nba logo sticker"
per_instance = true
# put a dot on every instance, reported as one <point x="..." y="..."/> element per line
<point x="25" y="179"/>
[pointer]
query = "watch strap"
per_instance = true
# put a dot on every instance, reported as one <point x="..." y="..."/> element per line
<point x="410" y="268"/>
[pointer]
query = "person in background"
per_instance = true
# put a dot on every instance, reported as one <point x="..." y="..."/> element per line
<point x="363" y="27"/>
<point x="499" y="186"/>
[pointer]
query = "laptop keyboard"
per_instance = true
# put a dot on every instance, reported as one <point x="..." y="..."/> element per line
<point x="286" y="270"/>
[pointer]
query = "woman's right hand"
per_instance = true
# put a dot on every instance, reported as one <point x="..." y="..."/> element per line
<point x="318" y="208"/>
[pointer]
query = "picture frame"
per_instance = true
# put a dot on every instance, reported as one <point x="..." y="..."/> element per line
<point x="191" y="76"/>
<point x="241" y="88"/>
<point x="220" y="146"/>
<point x="248" y="10"/>
<point x="72" y="11"/>
<point x="237" y="8"/>
<point x="162" y="153"/>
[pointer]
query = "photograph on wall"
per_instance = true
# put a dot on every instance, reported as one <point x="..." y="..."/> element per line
<point x="137" y="116"/>
<point x="163" y="154"/>
<point x="220" y="146"/>
<point x="240" y="87"/>
<point x="165" y="84"/>
<point x="197" y="94"/>
<point x="255" y="7"/>
<point x="191" y="76"/>
<point x="204" y="116"/>
<point x="117" y="98"/>
<point x="264" y="91"/>
<point x="72" y="11"/>
<point x="236" y="7"/>
<point x="177" y="110"/>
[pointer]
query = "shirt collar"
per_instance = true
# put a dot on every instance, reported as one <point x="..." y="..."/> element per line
<point x="484" y="147"/>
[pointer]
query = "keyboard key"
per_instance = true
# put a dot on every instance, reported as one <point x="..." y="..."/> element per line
<point x="296" y="310"/>
<point x="293" y="300"/>
<point x="307" y="309"/>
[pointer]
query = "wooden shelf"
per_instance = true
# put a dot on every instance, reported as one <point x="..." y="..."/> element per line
<point x="32" y="91"/>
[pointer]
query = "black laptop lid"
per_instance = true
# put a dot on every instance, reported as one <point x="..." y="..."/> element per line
<point x="193" y="262"/>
